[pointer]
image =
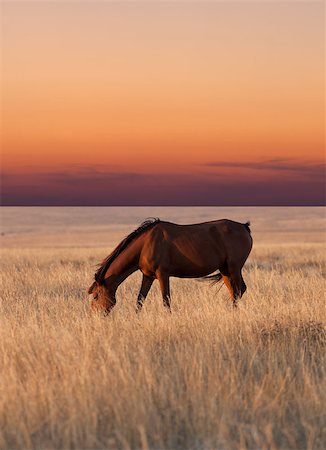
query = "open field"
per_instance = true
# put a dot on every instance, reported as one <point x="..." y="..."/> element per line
<point x="204" y="377"/>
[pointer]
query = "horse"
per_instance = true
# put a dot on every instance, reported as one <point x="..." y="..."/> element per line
<point x="161" y="250"/>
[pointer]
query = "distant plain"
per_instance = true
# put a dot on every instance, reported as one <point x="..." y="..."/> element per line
<point x="205" y="377"/>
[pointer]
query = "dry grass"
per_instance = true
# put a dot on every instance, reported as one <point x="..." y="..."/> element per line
<point x="204" y="377"/>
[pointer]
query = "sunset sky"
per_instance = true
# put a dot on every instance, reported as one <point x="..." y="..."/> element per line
<point x="163" y="103"/>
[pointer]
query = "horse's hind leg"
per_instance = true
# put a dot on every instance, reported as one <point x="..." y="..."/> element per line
<point x="228" y="283"/>
<point x="165" y="289"/>
<point x="243" y="286"/>
<point x="235" y="284"/>
<point x="144" y="289"/>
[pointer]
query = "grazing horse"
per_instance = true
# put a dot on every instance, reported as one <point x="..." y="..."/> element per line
<point x="162" y="250"/>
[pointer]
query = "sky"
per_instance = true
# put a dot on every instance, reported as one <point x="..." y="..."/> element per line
<point x="162" y="103"/>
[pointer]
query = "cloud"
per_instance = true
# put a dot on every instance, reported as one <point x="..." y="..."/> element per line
<point x="314" y="169"/>
<point x="100" y="186"/>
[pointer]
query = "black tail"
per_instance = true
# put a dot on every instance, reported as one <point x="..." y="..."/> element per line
<point x="214" y="279"/>
<point x="247" y="225"/>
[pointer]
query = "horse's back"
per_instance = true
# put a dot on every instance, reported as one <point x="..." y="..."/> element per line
<point x="193" y="250"/>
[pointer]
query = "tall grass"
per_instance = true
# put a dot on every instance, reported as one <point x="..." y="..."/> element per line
<point x="205" y="376"/>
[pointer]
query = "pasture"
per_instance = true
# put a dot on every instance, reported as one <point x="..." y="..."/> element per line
<point x="204" y="377"/>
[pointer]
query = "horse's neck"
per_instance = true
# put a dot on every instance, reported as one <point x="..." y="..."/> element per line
<point x="124" y="265"/>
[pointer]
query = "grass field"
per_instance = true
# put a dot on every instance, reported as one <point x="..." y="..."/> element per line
<point x="204" y="377"/>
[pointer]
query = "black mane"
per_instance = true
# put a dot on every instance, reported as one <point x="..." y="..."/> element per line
<point x="104" y="265"/>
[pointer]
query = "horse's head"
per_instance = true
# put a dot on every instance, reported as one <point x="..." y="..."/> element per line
<point x="102" y="301"/>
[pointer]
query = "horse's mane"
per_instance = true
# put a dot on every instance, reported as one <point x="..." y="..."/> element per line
<point x="104" y="265"/>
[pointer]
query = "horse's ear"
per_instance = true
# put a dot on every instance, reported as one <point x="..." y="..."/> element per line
<point x="90" y="289"/>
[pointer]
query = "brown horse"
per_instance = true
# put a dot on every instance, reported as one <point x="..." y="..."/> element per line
<point x="162" y="250"/>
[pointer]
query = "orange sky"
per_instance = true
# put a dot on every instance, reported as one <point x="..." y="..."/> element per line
<point x="163" y="87"/>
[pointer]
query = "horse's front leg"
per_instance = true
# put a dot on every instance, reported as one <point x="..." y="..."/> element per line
<point x="144" y="289"/>
<point x="164" y="281"/>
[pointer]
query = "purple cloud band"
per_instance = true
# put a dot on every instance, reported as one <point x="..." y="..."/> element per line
<point x="299" y="185"/>
<point x="301" y="168"/>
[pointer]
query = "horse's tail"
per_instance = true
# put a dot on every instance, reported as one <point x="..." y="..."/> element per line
<point x="214" y="279"/>
<point x="247" y="226"/>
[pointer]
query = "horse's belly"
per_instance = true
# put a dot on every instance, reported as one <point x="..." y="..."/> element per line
<point x="192" y="273"/>
<point x="187" y="255"/>
<point x="194" y="265"/>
